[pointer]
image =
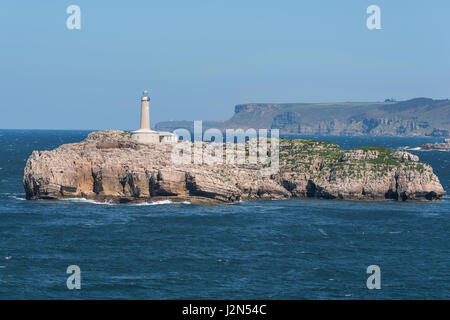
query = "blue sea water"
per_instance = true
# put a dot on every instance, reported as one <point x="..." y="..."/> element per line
<point x="286" y="249"/>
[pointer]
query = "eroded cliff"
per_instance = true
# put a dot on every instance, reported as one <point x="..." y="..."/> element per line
<point x="108" y="165"/>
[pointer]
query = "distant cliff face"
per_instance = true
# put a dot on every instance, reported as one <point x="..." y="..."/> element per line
<point x="108" y="165"/>
<point x="416" y="117"/>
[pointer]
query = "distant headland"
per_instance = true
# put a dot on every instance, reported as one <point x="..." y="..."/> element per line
<point x="415" y="117"/>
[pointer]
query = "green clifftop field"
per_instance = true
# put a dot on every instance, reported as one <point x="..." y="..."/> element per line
<point x="416" y="117"/>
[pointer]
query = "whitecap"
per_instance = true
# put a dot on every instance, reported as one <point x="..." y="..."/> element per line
<point x="17" y="198"/>
<point x="154" y="203"/>
<point x="111" y="203"/>
<point x="323" y="232"/>
<point x="160" y="202"/>
<point x="84" y="200"/>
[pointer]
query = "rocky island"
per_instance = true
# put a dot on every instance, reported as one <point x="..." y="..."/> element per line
<point x="110" y="166"/>
<point x="436" y="146"/>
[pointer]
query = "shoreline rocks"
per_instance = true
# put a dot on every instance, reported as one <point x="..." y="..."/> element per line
<point x="109" y="166"/>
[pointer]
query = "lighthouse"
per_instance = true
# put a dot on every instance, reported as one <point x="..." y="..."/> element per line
<point x="145" y="134"/>
<point x="145" y="111"/>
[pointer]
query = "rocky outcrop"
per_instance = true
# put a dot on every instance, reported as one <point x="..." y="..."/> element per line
<point x="108" y="165"/>
<point x="436" y="146"/>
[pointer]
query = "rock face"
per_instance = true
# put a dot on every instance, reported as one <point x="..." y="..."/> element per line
<point x="108" y="165"/>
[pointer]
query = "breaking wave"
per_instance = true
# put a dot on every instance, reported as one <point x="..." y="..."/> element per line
<point x="111" y="203"/>
<point x="407" y="148"/>
<point x="84" y="200"/>
<point x="160" y="203"/>
<point x="17" y="198"/>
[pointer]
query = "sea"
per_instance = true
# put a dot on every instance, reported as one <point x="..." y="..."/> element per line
<point x="280" y="249"/>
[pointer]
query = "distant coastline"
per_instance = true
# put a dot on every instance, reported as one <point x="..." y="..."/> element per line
<point x="419" y="117"/>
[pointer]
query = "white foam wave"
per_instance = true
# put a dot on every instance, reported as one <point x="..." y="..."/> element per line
<point x="422" y="150"/>
<point x="153" y="203"/>
<point x="111" y="203"/>
<point x="17" y="198"/>
<point x="84" y="200"/>
<point x="161" y="202"/>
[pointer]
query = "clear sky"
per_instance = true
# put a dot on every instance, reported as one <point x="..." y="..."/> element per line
<point x="199" y="58"/>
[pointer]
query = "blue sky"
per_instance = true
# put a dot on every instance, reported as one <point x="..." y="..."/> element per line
<point x="199" y="58"/>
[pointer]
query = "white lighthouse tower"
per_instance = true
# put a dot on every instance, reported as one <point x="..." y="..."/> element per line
<point x="145" y="134"/>
<point x="145" y="111"/>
